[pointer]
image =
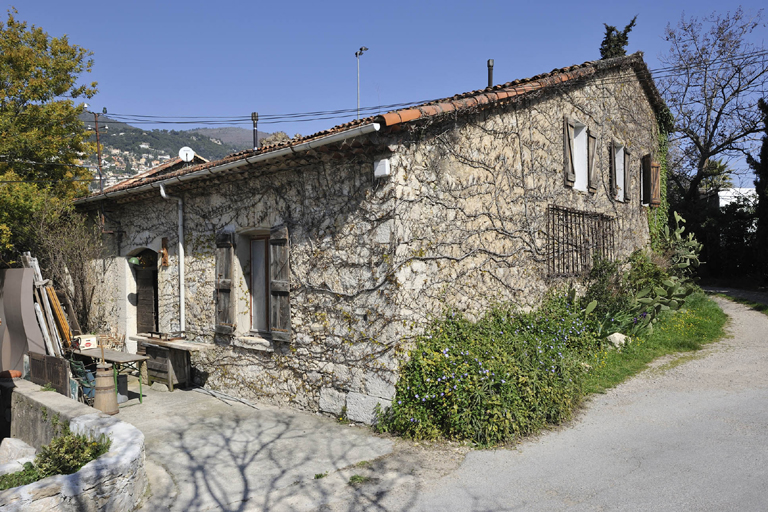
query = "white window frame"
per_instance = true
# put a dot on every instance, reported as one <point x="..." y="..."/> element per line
<point x="580" y="156"/>
<point x="259" y="289"/>
<point x="619" y="171"/>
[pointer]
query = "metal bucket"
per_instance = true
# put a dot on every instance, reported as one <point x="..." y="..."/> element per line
<point x="122" y="389"/>
<point x="106" y="397"/>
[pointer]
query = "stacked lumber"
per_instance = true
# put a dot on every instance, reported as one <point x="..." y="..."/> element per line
<point x="53" y="322"/>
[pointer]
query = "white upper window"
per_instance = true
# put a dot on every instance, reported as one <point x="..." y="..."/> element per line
<point x="619" y="171"/>
<point x="580" y="156"/>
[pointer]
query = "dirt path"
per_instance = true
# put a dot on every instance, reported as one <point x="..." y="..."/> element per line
<point x="754" y="296"/>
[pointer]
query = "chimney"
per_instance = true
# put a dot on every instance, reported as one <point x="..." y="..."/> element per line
<point x="490" y="72"/>
<point x="255" y="119"/>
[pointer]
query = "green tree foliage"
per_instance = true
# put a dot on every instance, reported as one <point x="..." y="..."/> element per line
<point x="760" y="166"/>
<point x="615" y="42"/>
<point x="41" y="136"/>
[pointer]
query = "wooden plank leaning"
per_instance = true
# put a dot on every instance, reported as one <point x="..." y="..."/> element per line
<point x="44" y="328"/>
<point x="42" y="297"/>
<point x="61" y="320"/>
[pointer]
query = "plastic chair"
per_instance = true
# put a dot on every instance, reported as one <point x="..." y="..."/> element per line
<point x="85" y="380"/>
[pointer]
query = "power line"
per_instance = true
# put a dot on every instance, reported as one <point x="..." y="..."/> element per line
<point x="658" y="73"/>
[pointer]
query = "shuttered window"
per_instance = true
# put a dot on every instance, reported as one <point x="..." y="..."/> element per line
<point x="619" y="172"/>
<point x="591" y="171"/>
<point x="579" y="147"/>
<point x="655" y="184"/>
<point x="224" y="253"/>
<point x="260" y="284"/>
<point x="568" y="144"/>
<point x="280" y="284"/>
<point x="627" y="180"/>
<point x="651" y="182"/>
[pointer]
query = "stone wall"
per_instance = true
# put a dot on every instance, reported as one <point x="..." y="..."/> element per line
<point x="460" y="223"/>
<point x="116" y="481"/>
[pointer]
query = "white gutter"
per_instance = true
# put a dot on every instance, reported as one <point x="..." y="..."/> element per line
<point x="304" y="146"/>
<point x="180" y="252"/>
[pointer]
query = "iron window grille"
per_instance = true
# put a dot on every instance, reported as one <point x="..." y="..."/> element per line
<point x="576" y="239"/>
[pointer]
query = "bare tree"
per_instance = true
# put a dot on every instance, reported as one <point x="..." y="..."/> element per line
<point x="67" y="243"/>
<point x="712" y="81"/>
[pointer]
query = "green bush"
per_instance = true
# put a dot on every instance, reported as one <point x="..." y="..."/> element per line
<point x="67" y="453"/>
<point x="605" y="285"/>
<point x="509" y="374"/>
<point x="26" y="476"/>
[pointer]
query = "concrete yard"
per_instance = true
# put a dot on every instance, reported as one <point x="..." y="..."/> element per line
<point x="205" y="453"/>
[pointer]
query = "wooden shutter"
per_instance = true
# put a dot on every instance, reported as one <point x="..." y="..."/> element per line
<point x="568" y="145"/>
<point x="626" y="174"/>
<point x="279" y="284"/>
<point x="645" y="195"/>
<point x="225" y="243"/>
<point x="655" y="184"/>
<point x="614" y="184"/>
<point x="591" y="172"/>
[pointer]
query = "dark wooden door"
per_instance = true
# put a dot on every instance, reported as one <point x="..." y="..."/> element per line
<point x="146" y="300"/>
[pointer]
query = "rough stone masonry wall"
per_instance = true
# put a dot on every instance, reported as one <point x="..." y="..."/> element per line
<point x="472" y="194"/>
<point x="116" y="481"/>
<point x="460" y="223"/>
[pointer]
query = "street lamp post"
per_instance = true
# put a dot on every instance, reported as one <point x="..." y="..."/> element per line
<point x="358" y="53"/>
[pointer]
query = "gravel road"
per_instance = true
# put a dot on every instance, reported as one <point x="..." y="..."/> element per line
<point x="689" y="433"/>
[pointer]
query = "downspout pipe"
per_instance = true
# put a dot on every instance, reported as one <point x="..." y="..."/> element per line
<point x="180" y="251"/>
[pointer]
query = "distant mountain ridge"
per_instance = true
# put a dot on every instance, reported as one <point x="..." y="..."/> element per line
<point x="127" y="150"/>
<point x="230" y="135"/>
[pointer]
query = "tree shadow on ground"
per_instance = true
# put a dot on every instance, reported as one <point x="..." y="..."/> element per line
<point x="246" y="459"/>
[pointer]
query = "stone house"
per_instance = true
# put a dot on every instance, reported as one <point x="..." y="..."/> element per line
<point x="308" y="266"/>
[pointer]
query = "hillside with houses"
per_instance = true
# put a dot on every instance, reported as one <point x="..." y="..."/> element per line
<point x="127" y="150"/>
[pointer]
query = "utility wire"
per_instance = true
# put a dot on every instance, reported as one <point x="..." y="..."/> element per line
<point x="658" y="73"/>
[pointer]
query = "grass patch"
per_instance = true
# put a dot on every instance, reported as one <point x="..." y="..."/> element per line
<point x="318" y="476"/>
<point x="757" y="306"/>
<point x="358" y="479"/>
<point x="701" y="322"/>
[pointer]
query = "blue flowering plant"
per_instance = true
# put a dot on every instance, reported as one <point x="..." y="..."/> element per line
<point x="509" y="374"/>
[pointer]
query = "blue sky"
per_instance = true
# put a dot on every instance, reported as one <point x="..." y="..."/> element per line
<point x="229" y="58"/>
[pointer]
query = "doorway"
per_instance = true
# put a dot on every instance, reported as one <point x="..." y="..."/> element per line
<point x="145" y="267"/>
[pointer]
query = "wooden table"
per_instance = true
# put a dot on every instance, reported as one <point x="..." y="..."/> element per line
<point x="119" y="361"/>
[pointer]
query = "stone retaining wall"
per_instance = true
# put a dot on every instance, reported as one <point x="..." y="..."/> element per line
<point x="115" y="481"/>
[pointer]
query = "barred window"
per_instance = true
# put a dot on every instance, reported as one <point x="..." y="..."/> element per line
<point x="576" y="238"/>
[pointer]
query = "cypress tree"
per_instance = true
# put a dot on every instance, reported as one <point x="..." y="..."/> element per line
<point x="615" y="43"/>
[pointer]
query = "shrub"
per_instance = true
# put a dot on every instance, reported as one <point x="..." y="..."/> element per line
<point x="26" y="476"/>
<point x="67" y="453"/>
<point x="507" y="375"/>
<point x="605" y="285"/>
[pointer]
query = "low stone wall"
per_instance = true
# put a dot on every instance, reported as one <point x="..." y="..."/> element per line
<point x="115" y="481"/>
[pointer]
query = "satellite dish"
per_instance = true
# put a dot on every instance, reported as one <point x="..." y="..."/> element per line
<point x="186" y="154"/>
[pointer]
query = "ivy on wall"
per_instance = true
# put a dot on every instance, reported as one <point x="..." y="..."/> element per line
<point x="659" y="217"/>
